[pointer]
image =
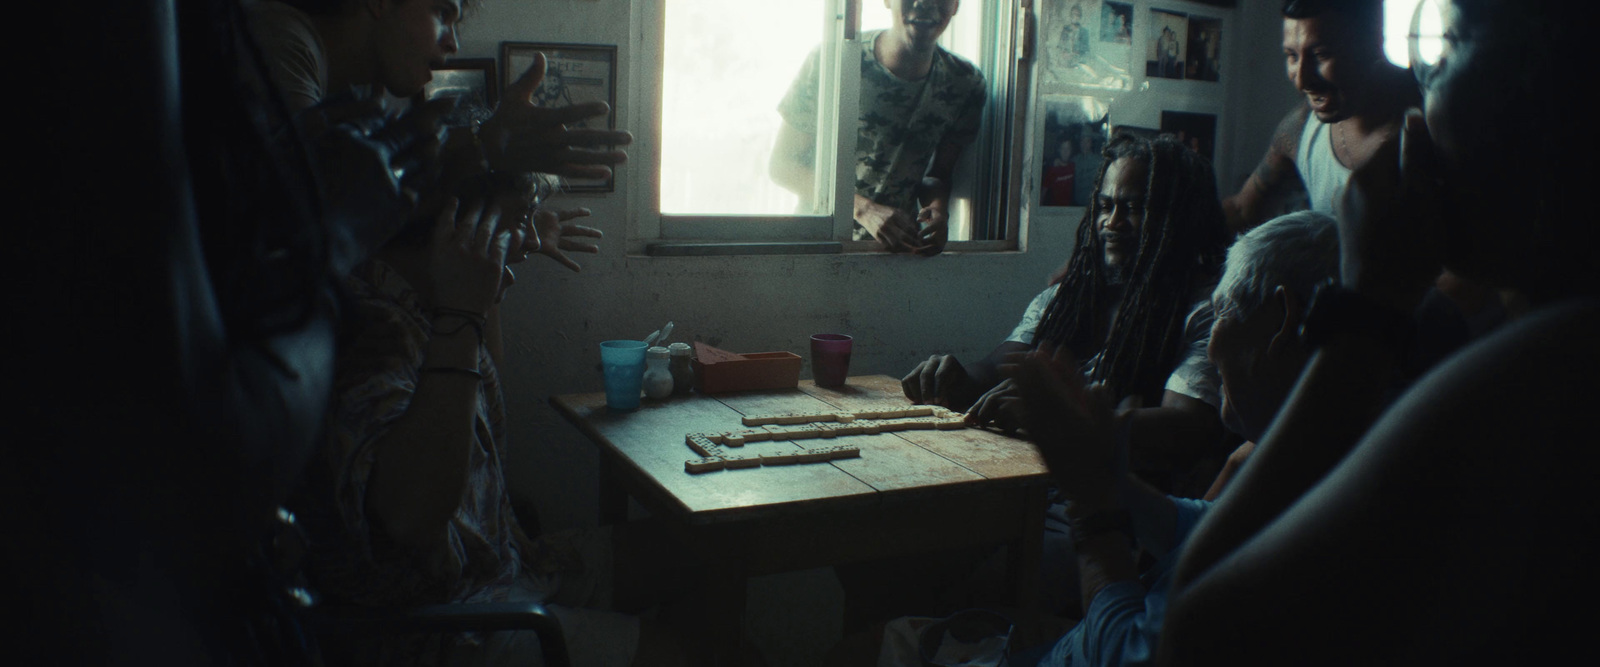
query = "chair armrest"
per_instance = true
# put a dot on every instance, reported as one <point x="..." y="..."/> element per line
<point x="478" y="617"/>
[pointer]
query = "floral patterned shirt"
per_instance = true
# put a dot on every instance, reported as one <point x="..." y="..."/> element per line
<point x="353" y="561"/>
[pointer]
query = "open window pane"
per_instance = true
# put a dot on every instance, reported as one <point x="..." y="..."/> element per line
<point x="727" y="65"/>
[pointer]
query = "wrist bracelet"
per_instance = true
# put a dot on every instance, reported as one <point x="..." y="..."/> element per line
<point x="468" y="319"/>
<point x="453" y="369"/>
<point x="1100" y="523"/>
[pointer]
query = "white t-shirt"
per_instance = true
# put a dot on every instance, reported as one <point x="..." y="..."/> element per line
<point x="1324" y="177"/>
<point x="1194" y="376"/>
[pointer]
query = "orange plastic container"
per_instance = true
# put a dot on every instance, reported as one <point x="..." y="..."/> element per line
<point x="718" y="371"/>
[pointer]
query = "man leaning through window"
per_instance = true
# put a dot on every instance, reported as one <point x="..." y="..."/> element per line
<point x="920" y="108"/>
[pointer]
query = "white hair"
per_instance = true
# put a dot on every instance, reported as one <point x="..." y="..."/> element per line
<point x="1298" y="251"/>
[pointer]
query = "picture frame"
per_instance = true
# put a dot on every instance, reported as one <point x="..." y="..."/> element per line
<point x="1165" y="49"/>
<point x="1195" y="130"/>
<point x="474" y="80"/>
<point x="1073" y="134"/>
<point x="574" y="74"/>
<point x="1081" y="46"/>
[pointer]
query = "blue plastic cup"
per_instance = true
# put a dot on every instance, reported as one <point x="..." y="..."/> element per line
<point x="623" y="364"/>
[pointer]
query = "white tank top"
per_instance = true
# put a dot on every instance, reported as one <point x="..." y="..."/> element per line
<point x="1324" y="177"/>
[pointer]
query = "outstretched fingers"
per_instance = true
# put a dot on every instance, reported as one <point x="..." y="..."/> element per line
<point x="569" y="240"/>
<point x="481" y="228"/>
<point x="571" y="114"/>
<point x="575" y="213"/>
<point x="522" y="89"/>
<point x="446" y="226"/>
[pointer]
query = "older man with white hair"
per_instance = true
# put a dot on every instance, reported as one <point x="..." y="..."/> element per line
<point x="1263" y="296"/>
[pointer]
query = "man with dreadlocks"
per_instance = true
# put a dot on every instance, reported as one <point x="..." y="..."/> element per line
<point x="1130" y="301"/>
<point x="1133" y="303"/>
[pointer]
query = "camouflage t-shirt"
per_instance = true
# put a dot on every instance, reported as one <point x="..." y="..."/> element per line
<point x="902" y="122"/>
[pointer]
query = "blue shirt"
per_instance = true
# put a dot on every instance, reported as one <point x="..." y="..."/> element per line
<point x="1123" y="623"/>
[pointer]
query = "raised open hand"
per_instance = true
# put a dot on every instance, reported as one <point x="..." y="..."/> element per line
<point x="467" y="257"/>
<point x="1073" y="424"/>
<point x="523" y="137"/>
<point x="556" y="235"/>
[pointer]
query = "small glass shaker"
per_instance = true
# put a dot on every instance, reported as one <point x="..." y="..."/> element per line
<point x="682" y="370"/>
<point x="657" y="378"/>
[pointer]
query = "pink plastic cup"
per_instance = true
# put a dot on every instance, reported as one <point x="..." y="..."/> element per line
<point x="830" y="359"/>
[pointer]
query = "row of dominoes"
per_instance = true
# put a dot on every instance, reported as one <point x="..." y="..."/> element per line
<point x="848" y="417"/>
<point x="698" y="441"/>
<point x="720" y="460"/>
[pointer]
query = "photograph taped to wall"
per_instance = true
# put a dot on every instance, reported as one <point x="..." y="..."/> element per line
<point x="1195" y="130"/>
<point x="1075" y="52"/>
<point x="1164" y="55"/>
<point x="1116" y="23"/>
<point x="1204" y="50"/>
<point x="473" y="81"/>
<point x="1074" y="134"/>
<point x="574" y="74"/>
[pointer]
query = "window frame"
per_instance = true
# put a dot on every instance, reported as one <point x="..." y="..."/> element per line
<point x="996" y="169"/>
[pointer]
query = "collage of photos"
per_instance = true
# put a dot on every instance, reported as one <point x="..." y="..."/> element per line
<point x="1088" y="43"/>
<point x="1087" y="47"/>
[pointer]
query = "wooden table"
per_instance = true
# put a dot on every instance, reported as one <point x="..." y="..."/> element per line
<point x="910" y="492"/>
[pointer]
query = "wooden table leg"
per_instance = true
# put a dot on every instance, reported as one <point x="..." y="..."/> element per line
<point x="613" y="495"/>
<point x="1022" y="568"/>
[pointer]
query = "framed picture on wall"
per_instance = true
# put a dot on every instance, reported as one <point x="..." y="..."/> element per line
<point x="1146" y="133"/>
<point x="1205" y="48"/>
<point x="574" y="74"/>
<point x="1083" y="43"/>
<point x="1195" y="130"/>
<point x="473" y="81"/>
<point x="1074" y="133"/>
<point x="1165" y="50"/>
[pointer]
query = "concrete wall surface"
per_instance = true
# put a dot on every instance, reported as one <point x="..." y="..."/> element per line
<point x="899" y="309"/>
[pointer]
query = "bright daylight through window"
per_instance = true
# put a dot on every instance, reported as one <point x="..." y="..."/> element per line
<point x="727" y="65"/>
<point x="1397" y="15"/>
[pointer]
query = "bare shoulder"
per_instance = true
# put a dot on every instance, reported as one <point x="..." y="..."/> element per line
<point x="1286" y="139"/>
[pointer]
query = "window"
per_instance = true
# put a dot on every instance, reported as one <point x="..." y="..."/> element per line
<point x="1397" y="30"/>
<point x="723" y="68"/>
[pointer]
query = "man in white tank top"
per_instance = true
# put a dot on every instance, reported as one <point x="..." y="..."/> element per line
<point x="1355" y="99"/>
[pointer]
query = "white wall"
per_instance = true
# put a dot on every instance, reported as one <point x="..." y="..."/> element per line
<point x="899" y="309"/>
<point x="1263" y="94"/>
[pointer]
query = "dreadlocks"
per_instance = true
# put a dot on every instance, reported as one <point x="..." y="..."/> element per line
<point x="1181" y="243"/>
